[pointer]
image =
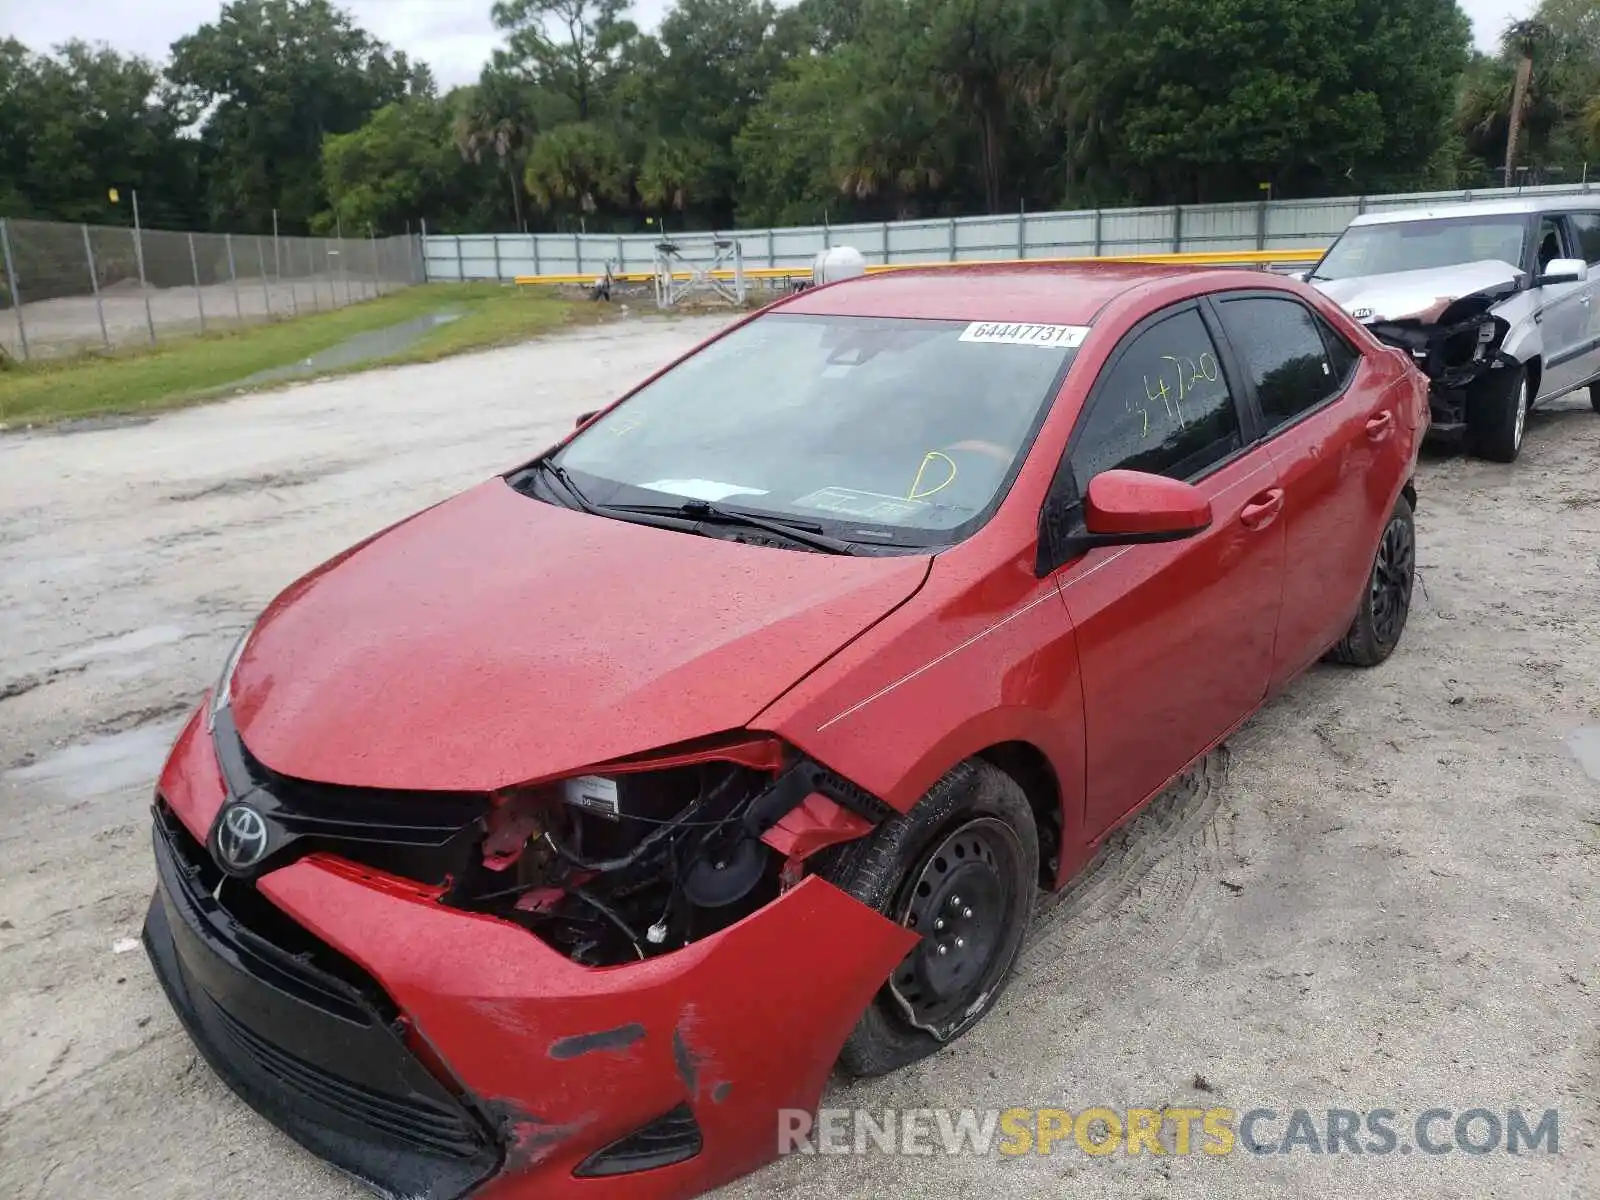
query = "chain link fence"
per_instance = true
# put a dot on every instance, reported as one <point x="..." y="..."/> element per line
<point x="71" y="288"/>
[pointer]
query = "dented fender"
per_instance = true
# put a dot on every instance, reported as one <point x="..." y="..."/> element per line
<point x="567" y="1059"/>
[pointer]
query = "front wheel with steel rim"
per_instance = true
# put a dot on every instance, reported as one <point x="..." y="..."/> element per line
<point x="960" y="869"/>
<point x="1386" y="602"/>
<point x="1497" y="418"/>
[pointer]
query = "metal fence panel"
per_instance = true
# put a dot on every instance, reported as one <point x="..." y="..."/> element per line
<point x="81" y="285"/>
<point x="1061" y="235"/>
<point x="915" y="241"/>
<point x="1218" y="228"/>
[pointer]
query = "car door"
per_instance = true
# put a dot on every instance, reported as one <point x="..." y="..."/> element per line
<point x="1332" y="428"/>
<point x="1175" y="640"/>
<point x="1563" y="313"/>
<point x="1585" y="230"/>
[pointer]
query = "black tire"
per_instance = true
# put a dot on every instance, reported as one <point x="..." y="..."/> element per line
<point x="973" y="803"/>
<point x="1496" y="424"/>
<point x="1594" y="396"/>
<point x="1386" y="602"/>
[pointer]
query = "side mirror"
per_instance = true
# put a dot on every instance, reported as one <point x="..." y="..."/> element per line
<point x="1564" y="270"/>
<point x="1122" y="508"/>
<point x="585" y="418"/>
<point x="1130" y="507"/>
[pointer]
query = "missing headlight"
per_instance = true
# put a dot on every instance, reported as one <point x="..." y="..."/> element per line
<point x="614" y="867"/>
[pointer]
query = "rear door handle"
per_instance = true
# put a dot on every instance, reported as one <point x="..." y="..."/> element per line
<point x="1261" y="510"/>
<point x="1380" y="426"/>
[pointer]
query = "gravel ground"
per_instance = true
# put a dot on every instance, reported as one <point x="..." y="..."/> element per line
<point x="1380" y="894"/>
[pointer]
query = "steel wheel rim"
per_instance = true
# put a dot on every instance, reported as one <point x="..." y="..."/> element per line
<point x="963" y="891"/>
<point x="1392" y="575"/>
<point x="1522" y="415"/>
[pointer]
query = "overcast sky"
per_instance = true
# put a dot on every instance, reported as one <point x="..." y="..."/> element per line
<point x="453" y="36"/>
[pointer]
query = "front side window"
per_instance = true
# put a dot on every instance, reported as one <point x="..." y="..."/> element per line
<point x="1425" y="245"/>
<point x="1163" y="406"/>
<point x="1550" y="242"/>
<point x="1283" y="353"/>
<point x="1586" y="225"/>
<point x="889" y="430"/>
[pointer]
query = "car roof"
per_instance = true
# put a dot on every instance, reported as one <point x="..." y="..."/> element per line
<point x="1058" y="293"/>
<point x="1517" y="206"/>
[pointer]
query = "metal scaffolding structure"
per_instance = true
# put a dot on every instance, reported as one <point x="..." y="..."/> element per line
<point x="720" y="277"/>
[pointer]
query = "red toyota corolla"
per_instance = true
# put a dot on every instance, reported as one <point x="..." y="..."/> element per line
<point x="551" y="841"/>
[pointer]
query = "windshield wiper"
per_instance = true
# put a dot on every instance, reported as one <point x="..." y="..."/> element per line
<point x="696" y="511"/>
<point x="704" y="510"/>
<point x="556" y="471"/>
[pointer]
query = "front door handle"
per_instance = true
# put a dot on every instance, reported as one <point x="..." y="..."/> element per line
<point x="1262" y="508"/>
<point x="1380" y="425"/>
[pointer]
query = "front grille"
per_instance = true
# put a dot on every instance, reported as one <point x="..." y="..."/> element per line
<point x="270" y="945"/>
<point x="429" y="837"/>
<point x="414" y="1120"/>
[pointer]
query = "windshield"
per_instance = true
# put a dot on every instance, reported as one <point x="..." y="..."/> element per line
<point x="874" y="429"/>
<point x="1422" y="245"/>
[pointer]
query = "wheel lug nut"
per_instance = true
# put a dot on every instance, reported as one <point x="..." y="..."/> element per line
<point x="944" y="949"/>
<point x="966" y="912"/>
<point x="939" y="924"/>
<point x="955" y="901"/>
<point x="960" y="942"/>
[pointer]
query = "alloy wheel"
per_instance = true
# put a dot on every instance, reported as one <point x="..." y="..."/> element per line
<point x="1392" y="576"/>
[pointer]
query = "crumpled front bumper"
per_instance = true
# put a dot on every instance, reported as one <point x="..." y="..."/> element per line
<point x="535" y="1062"/>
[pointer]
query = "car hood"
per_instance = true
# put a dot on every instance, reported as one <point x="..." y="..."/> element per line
<point x="1417" y="295"/>
<point x="494" y="639"/>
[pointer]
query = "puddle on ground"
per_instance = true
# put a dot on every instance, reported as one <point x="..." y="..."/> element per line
<point x="126" y="643"/>
<point x="364" y="347"/>
<point x="102" y="765"/>
<point x="1584" y="742"/>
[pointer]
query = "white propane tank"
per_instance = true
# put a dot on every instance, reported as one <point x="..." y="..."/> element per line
<point x="841" y="262"/>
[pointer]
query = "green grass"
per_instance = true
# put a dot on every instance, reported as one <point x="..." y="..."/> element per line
<point x="187" y="369"/>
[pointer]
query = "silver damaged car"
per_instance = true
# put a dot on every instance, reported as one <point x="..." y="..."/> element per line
<point x="1495" y="302"/>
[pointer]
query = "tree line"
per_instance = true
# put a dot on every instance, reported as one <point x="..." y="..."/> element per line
<point x="737" y="112"/>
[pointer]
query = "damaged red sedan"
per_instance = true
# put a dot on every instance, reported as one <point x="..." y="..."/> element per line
<point x="550" y="842"/>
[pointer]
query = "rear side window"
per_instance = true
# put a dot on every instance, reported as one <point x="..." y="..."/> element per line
<point x="1163" y="406"/>
<point x="1341" y="354"/>
<point x="1284" y="355"/>
<point x="1586" y="225"/>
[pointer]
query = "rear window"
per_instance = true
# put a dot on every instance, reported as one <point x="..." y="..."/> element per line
<point x="888" y="429"/>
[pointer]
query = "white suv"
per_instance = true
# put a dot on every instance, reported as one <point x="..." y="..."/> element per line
<point x="1494" y="301"/>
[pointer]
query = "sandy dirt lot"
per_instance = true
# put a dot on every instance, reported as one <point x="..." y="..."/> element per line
<point x="1381" y="894"/>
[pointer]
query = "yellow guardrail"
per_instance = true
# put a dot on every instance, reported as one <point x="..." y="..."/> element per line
<point x="1201" y="258"/>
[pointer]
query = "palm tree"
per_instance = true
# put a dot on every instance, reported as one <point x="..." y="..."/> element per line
<point x="485" y="126"/>
<point x="1522" y="39"/>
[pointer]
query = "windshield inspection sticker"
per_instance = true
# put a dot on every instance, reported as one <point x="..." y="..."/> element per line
<point x="1051" y="337"/>
<point x="862" y="506"/>
<point x="708" y="490"/>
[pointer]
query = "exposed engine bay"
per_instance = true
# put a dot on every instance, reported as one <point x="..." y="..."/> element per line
<point x="651" y="855"/>
<point x="1454" y="348"/>
<point x="1445" y="321"/>
<point x="619" y="867"/>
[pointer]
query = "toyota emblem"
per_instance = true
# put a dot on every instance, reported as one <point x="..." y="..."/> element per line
<point x="241" y="838"/>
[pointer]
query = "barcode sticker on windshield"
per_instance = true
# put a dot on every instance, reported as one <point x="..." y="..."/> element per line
<point x="1051" y="337"/>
